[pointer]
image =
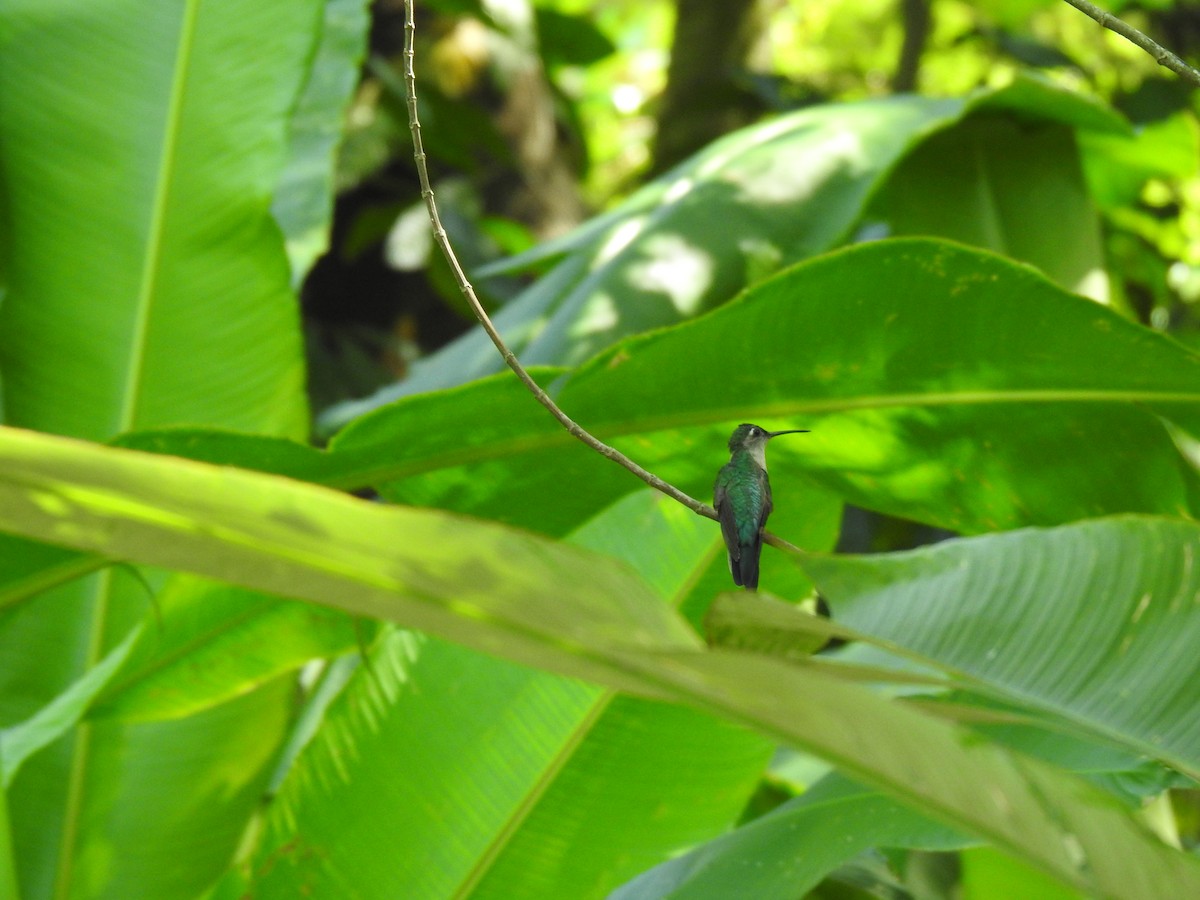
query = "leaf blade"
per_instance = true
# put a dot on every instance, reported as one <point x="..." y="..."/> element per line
<point x="1069" y="829"/>
<point x="1112" y="651"/>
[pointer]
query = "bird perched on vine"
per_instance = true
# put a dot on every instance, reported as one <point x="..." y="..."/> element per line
<point x="742" y="497"/>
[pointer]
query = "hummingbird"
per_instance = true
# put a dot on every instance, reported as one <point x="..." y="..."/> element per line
<point x="742" y="497"/>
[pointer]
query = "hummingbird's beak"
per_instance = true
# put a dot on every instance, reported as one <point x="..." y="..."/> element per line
<point x="772" y="434"/>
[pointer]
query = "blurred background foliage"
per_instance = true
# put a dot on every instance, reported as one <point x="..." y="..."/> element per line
<point x="538" y="115"/>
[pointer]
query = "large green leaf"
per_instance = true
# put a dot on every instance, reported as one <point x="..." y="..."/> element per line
<point x="1095" y="622"/>
<point x="462" y="775"/>
<point x="27" y="568"/>
<point x="595" y="786"/>
<point x="140" y="152"/>
<point x="304" y="199"/>
<point x="377" y="547"/>
<point x="781" y="191"/>
<point x="1116" y="762"/>
<point x="971" y="393"/>
<point x="786" y="853"/>
<point x="147" y="285"/>
<point x="534" y="600"/>
<point x="133" y="793"/>
<point x="18" y="742"/>
<point x="941" y="383"/>
<point x="1002" y="184"/>
<point x="208" y="643"/>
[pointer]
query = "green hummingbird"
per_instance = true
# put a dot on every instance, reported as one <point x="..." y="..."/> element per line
<point x="742" y="497"/>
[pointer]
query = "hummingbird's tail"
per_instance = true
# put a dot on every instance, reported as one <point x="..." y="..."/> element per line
<point x="745" y="568"/>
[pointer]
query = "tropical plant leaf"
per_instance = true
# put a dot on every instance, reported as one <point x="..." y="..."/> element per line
<point x="971" y="394"/>
<point x="19" y="742"/>
<point x="766" y="626"/>
<point x="787" y="852"/>
<point x="1002" y="184"/>
<point x="27" y="568"/>
<point x="936" y="399"/>
<point x="530" y="599"/>
<point x="989" y="873"/>
<point x="1093" y="621"/>
<point x="679" y="775"/>
<point x="543" y="786"/>
<point x="550" y="735"/>
<point x="147" y="286"/>
<point x="156" y="170"/>
<point x="429" y="553"/>
<point x="304" y="198"/>
<point x="742" y="208"/>
<point x="597" y="786"/>
<point x="209" y="643"/>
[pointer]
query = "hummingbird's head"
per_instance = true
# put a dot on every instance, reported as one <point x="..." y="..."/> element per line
<point x="753" y="438"/>
<point x="748" y="437"/>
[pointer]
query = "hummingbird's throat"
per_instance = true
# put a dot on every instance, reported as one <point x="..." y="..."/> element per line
<point x="758" y="453"/>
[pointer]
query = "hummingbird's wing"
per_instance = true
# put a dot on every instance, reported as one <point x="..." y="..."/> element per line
<point x="767" y="504"/>
<point x="750" y="549"/>
<point x="724" y="508"/>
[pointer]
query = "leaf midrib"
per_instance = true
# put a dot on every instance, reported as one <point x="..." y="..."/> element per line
<point x="529" y="802"/>
<point x="528" y="443"/>
<point x="135" y="362"/>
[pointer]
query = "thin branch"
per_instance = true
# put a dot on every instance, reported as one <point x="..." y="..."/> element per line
<point x="468" y="291"/>
<point x="1161" y="55"/>
<point x="443" y="241"/>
